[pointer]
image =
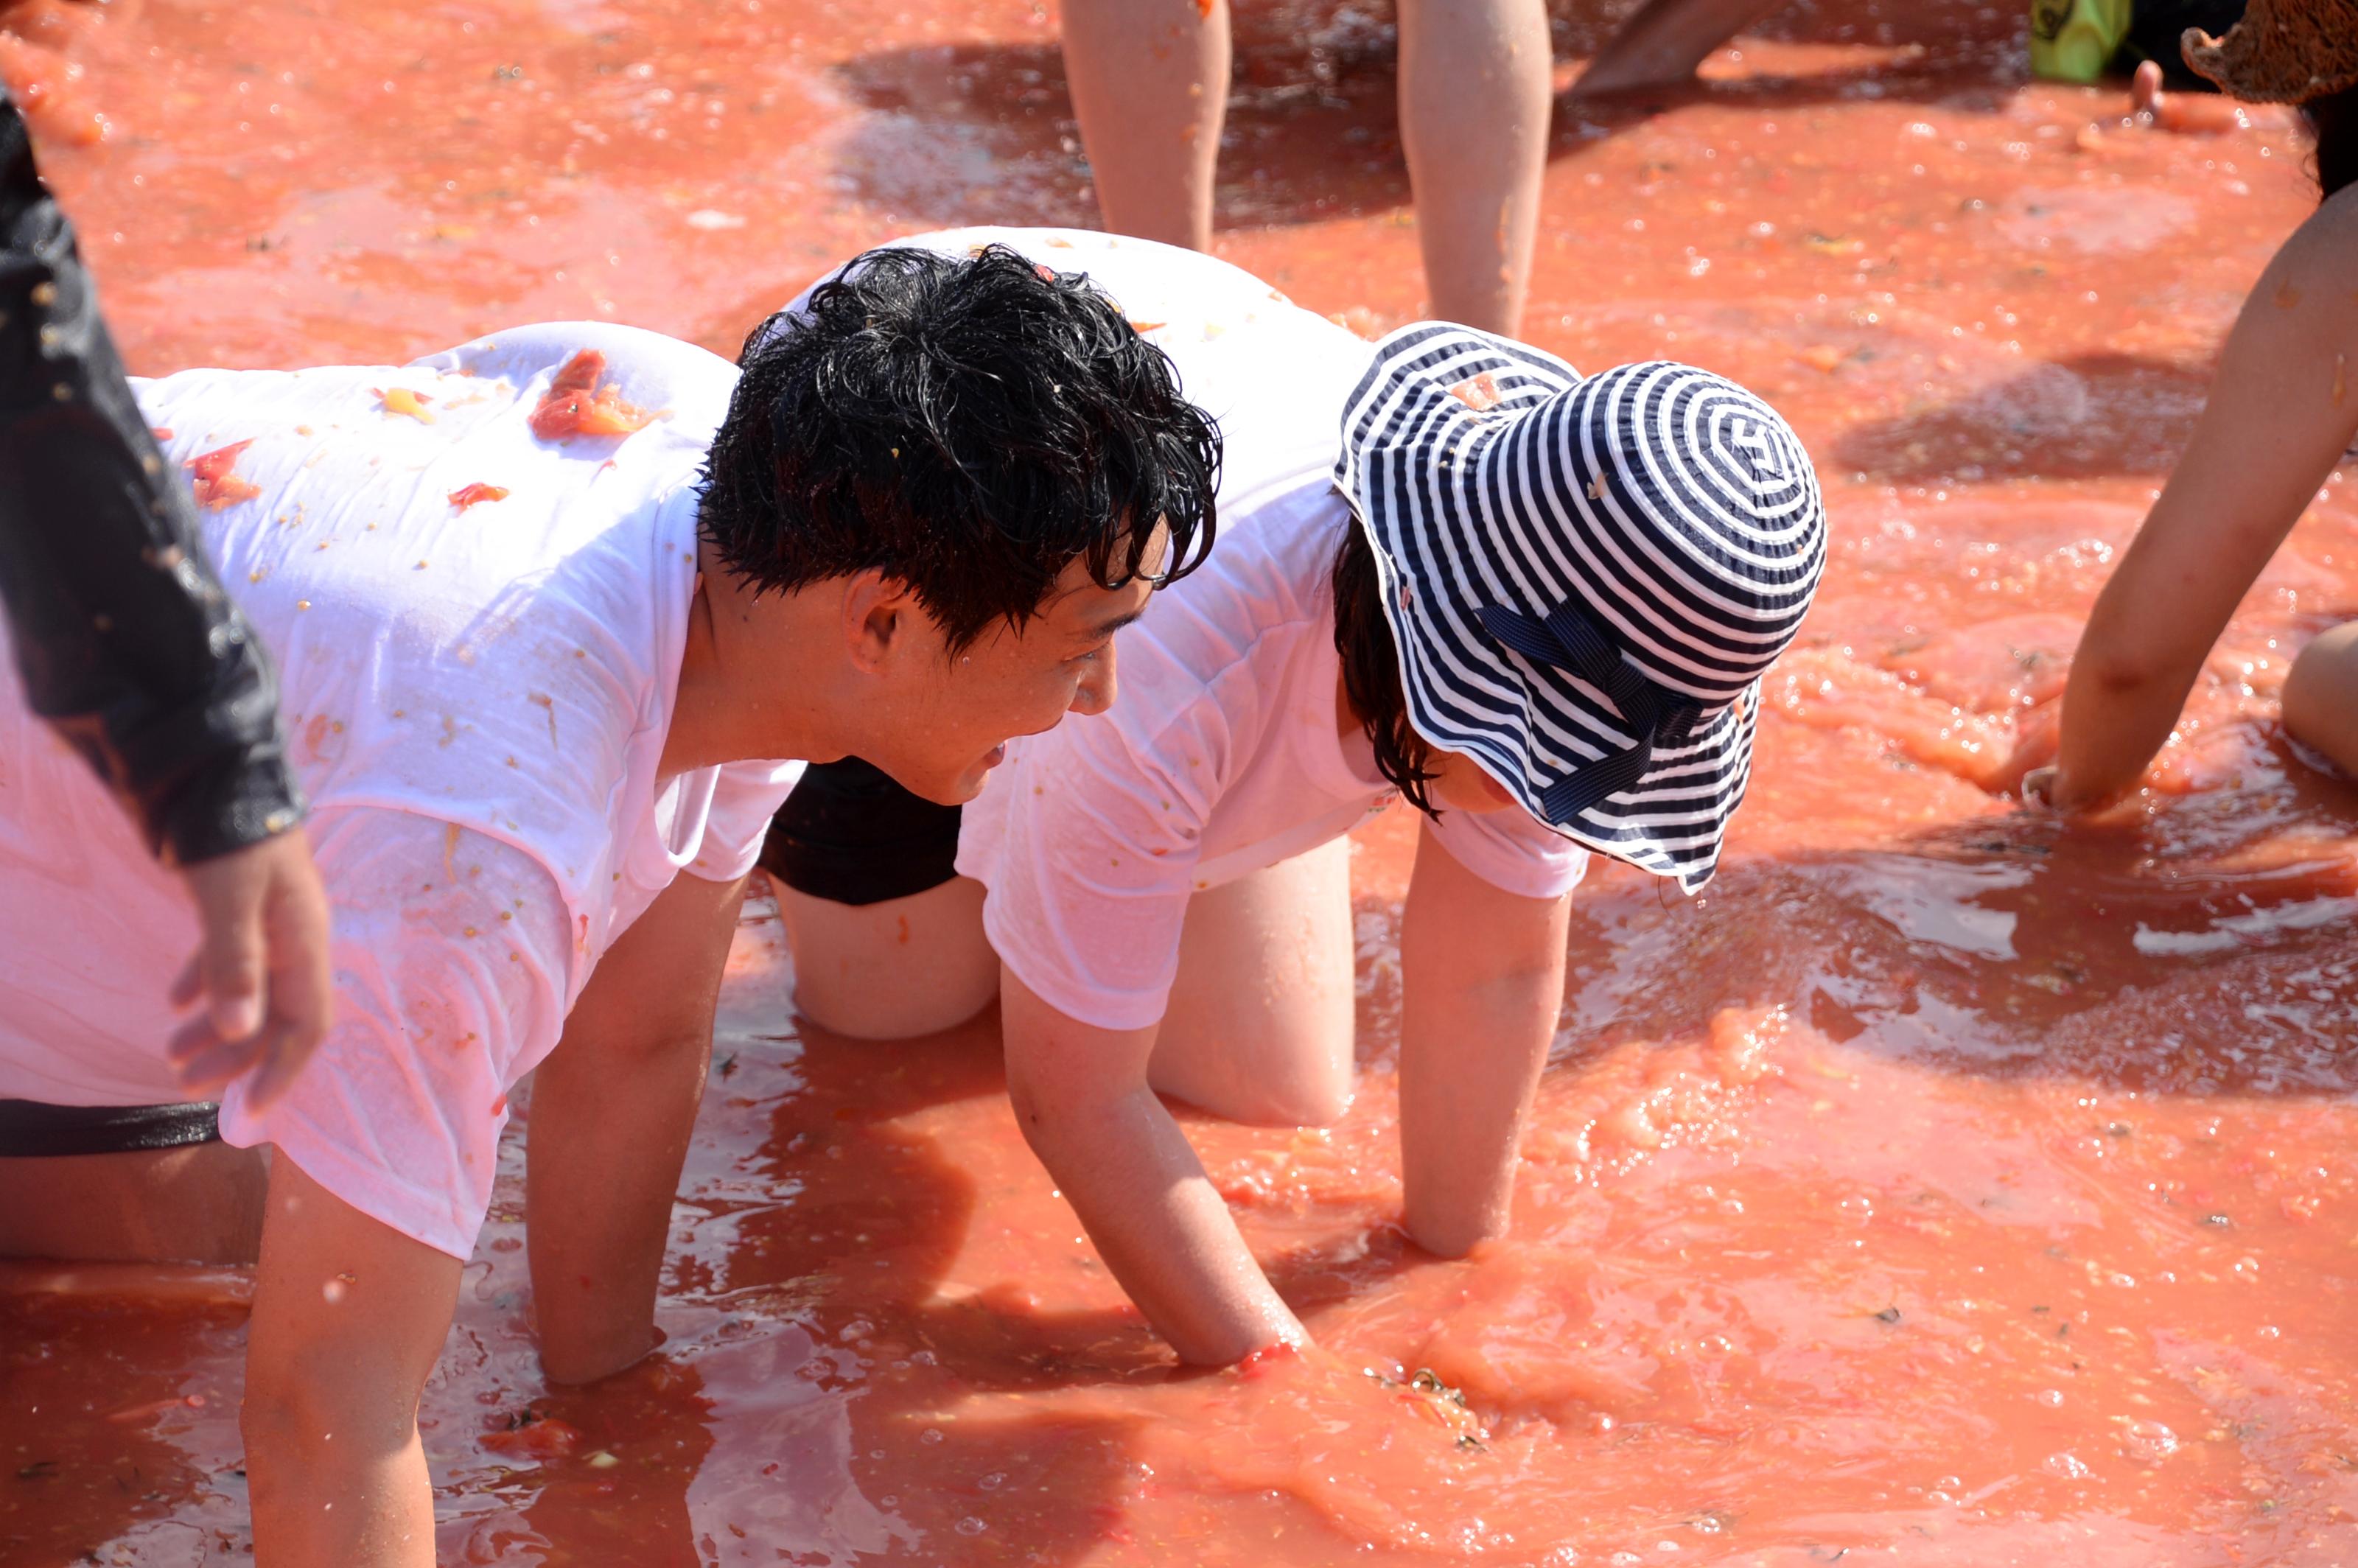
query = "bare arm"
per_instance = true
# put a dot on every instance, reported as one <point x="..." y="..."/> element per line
<point x="1082" y="1098"/>
<point x="1482" y="975"/>
<point x="612" y="1108"/>
<point x="2282" y="410"/>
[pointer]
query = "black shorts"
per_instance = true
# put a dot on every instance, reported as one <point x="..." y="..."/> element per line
<point x="29" y="1129"/>
<point x="849" y="835"/>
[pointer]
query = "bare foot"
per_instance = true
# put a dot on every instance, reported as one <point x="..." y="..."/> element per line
<point x="1663" y="43"/>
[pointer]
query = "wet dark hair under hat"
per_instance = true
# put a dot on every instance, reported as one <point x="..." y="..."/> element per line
<point x="1586" y="579"/>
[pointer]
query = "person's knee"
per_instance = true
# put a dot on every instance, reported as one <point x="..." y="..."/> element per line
<point x="1288" y="1086"/>
<point x="1309" y="1100"/>
<point x="2321" y="697"/>
<point x="298" y="1395"/>
<point x="350" y="1315"/>
<point x="893" y="971"/>
<point x="279" y="1412"/>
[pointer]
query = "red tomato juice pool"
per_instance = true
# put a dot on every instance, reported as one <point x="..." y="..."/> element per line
<point x="1942" y="1187"/>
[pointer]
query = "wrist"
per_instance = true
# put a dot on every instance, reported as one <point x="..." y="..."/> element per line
<point x="235" y="804"/>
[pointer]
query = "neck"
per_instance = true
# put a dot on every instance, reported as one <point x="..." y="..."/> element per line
<point x="731" y="706"/>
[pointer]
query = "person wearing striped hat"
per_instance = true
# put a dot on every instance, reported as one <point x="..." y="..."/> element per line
<point x="2278" y="421"/>
<point x="1450" y="569"/>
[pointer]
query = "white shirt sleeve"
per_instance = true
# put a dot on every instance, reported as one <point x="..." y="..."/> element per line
<point x="745" y="797"/>
<point x="1512" y="851"/>
<point x="449" y="955"/>
<point x="1088" y="857"/>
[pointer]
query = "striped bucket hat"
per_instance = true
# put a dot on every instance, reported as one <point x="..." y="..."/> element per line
<point x="1586" y="579"/>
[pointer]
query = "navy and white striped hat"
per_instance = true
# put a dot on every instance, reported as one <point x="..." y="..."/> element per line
<point x="1586" y="578"/>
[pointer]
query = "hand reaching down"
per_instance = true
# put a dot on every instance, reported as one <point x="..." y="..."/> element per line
<point x="262" y="970"/>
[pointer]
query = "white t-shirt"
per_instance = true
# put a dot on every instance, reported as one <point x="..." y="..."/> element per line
<point x="1221" y="754"/>
<point x="476" y="698"/>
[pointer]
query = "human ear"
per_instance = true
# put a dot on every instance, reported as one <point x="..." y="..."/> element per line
<point x="877" y="617"/>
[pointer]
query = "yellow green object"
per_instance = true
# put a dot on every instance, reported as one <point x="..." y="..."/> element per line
<point x="2074" y="41"/>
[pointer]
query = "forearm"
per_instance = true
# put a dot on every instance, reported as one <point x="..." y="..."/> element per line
<point x="125" y="639"/>
<point x="2274" y="427"/>
<point x="2118" y="711"/>
<point x="612" y="1111"/>
<point x="1482" y="985"/>
<point x="1470" y="1062"/>
<point x="2147" y="636"/>
<point x="609" y="1139"/>
<point x="1157" y="1219"/>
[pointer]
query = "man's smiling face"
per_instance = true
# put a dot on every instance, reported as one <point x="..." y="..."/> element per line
<point x="949" y="723"/>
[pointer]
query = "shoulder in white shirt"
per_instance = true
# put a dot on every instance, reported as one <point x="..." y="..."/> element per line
<point x="479" y="634"/>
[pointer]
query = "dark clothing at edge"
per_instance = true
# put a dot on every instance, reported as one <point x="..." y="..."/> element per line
<point x="125" y="640"/>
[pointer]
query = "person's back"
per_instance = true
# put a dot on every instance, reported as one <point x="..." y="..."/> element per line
<point x="479" y="630"/>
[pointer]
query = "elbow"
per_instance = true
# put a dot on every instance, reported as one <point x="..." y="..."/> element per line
<point x="1032" y="1100"/>
<point x="1074" y="1122"/>
<point x="294" y="1406"/>
<point x="1046" y="1104"/>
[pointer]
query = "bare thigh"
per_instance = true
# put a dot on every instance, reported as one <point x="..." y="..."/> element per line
<point x="892" y="970"/>
<point x="1260" y="1026"/>
<point x="199" y="1204"/>
<point x="2321" y="697"/>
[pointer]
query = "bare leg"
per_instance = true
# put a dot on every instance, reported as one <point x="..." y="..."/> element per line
<point x="1473" y="105"/>
<point x="1150" y="83"/>
<point x="1260" y="1026"/>
<point x="1662" y="44"/>
<point x="2321" y="697"/>
<point x="200" y="1204"/>
<point x="349" y="1318"/>
<point x="892" y="970"/>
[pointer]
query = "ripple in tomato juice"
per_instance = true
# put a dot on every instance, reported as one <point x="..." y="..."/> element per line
<point x="1941" y="1186"/>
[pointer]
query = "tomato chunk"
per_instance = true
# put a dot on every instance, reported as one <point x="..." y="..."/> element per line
<point x="216" y="484"/>
<point x="401" y="400"/>
<point x="575" y="404"/>
<point x="468" y="495"/>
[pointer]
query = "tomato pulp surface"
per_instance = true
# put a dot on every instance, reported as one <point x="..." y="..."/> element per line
<point x="1942" y="1187"/>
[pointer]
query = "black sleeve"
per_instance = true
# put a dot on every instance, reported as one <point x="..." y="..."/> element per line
<point x="123" y="637"/>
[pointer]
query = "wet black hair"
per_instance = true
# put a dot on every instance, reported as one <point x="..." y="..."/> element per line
<point x="967" y="426"/>
<point x="2333" y="120"/>
<point x="1371" y="673"/>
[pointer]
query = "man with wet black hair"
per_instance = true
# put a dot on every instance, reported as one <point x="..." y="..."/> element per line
<point x="542" y="606"/>
<point x="971" y="428"/>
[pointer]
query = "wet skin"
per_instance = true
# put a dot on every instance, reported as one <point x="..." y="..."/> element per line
<point x="1948" y="1179"/>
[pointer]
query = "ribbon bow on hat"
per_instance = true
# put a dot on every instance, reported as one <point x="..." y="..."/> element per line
<point x="1569" y="641"/>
